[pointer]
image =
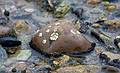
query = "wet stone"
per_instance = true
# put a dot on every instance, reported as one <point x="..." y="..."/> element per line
<point x="111" y="7"/>
<point x="94" y="2"/>
<point x="78" y="12"/>
<point x="96" y="25"/>
<point x="6" y="13"/>
<point x="29" y="10"/>
<point x="61" y="61"/>
<point x="61" y="10"/>
<point x="79" y="69"/>
<point x="12" y="41"/>
<point x="19" y="67"/>
<point x="54" y="41"/>
<point x="21" y="26"/>
<point x="3" y="21"/>
<point x="117" y="41"/>
<point x="104" y="58"/>
<point x="109" y="58"/>
<point x="109" y="69"/>
<point x="116" y="13"/>
<point x="12" y="50"/>
<point x="5" y="30"/>
<point x="113" y="1"/>
<point x="3" y="56"/>
<point x="84" y="27"/>
<point x="115" y="63"/>
<point x="65" y="40"/>
<point x="24" y="55"/>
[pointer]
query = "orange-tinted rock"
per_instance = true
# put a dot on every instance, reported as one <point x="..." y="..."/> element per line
<point x="93" y="2"/>
<point x="60" y="37"/>
<point x="21" y="26"/>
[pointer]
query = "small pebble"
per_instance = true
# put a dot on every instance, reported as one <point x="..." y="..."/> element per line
<point x="44" y="41"/>
<point x="6" y="13"/>
<point x="94" y="2"/>
<point x="111" y="7"/>
<point x="40" y="34"/>
<point x="96" y="25"/>
<point x="30" y="10"/>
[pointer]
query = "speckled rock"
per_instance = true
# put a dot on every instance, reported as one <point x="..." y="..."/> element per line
<point x="61" y="10"/>
<point x="4" y="30"/>
<point x="111" y="7"/>
<point x="58" y="36"/>
<point x="79" y="69"/>
<point x="19" y="67"/>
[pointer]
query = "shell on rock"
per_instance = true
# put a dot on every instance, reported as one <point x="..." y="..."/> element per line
<point x="60" y="37"/>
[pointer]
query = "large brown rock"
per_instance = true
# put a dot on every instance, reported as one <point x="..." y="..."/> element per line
<point x="60" y="37"/>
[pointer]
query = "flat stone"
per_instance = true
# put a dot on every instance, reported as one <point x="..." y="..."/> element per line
<point x="24" y="55"/>
<point x="79" y="69"/>
<point x="112" y="56"/>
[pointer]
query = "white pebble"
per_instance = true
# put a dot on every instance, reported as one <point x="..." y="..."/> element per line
<point x="72" y="31"/>
<point x="40" y="34"/>
<point x="44" y="41"/>
<point x="37" y="31"/>
<point x="78" y="32"/>
<point x="54" y="36"/>
<point x="48" y="30"/>
<point x="119" y="45"/>
<point x="49" y="26"/>
<point x="57" y="23"/>
<point x="118" y="37"/>
<point x="30" y="10"/>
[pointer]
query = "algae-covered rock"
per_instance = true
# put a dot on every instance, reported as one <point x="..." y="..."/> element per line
<point x="113" y="23"/>
<point x="111" y="7"/>
<point x="61" y="10"/>
<point x="24" y="55"/>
